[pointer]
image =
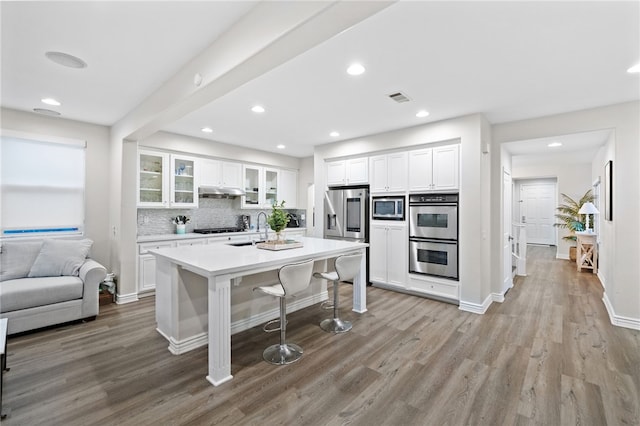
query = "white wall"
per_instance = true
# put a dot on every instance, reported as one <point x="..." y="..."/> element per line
<point x="606" y="246"/>
<point x="572" y="179"/>
<point x="474" y="233"/>
<point x="622" y="295"/>
<point x="97" y="168"/>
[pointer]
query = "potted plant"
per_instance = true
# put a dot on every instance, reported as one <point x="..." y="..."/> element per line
<point x="278" y="219"/>
<point x="570" y="218"/>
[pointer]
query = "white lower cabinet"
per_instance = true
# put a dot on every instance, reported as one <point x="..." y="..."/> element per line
<point x="433" y="286"/>
<point x="147" y="265"/>
<point x="388" y="258"/>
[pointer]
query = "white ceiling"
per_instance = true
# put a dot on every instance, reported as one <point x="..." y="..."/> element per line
<point x="508" y="60"/>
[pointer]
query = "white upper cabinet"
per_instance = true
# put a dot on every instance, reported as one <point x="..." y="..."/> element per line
<point x="435" y="169"/>
<point x="166" y="180"/>
<point x="388" y="172"/>
<point x="264" y="186"/>
<point x="288" y="188"/>
<point x="220" y="173"/>
<point x="354" y="171"/>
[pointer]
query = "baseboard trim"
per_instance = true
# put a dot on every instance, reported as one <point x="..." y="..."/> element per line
<point x="475" y="308"/>
<point x="497" y="297"/>
<point x="292" y="306"/>
<point x="618" y="320"/>
<point x="178" y="347"/>
<point x="121" y="299"/>
<point x="562" y="256"/>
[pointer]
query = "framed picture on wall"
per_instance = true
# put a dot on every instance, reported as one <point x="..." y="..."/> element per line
<point x="608" y="193"/>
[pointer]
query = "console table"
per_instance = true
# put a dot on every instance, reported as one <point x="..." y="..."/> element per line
<point x="587" y="251"/>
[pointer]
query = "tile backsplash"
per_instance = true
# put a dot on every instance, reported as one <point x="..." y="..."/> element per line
<point x="211" y="213"/>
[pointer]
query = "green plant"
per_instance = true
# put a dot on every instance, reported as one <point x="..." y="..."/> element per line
<point x="278" y="218"/>
<point x="569" y="217"/>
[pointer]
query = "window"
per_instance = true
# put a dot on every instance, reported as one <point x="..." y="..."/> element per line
<point x="41" y="186"/>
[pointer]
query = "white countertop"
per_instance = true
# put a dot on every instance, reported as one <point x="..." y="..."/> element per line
<point x="191" y="235"/>
<point x="219" y="259"/>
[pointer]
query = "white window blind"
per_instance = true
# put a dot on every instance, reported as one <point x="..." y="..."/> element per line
<point x="42" y="186"/>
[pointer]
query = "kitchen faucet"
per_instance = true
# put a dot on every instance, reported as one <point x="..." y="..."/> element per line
<point x="266" y="237"/>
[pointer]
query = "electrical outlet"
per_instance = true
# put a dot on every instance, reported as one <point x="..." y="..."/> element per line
<point x="145" y="219"/>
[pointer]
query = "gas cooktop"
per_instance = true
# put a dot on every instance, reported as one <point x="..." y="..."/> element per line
<point x="217" y="230"/>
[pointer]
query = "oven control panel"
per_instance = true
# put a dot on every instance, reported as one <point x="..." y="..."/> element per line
<point x="433" y="198"/>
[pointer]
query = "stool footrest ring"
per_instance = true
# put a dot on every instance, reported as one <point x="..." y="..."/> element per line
<point x="267" y="326"/>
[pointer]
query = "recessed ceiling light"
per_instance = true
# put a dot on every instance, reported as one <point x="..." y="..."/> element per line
<point x="46" y="111"/>
<point x="66" y="60"/>
<point x="554" y="144"/>
<point x="207" y="129"/>
<point x="334" y="134"/>
<point x="355" y="69"/>
<point x="422" y="113"/>
<point x="50" y="101"/>
<point x="633" y="69"/>
<point x="258" y="109"/>
<point x="281" y="146"/>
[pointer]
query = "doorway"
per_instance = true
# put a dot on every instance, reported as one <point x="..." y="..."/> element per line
<point x="536" y="208"/>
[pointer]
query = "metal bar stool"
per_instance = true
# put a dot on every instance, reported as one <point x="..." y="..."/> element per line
<point x="346" y="268"/>
<point x="294" y="278"/>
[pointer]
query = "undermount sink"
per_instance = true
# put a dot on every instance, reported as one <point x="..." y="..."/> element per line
<point x="245" y="243"/>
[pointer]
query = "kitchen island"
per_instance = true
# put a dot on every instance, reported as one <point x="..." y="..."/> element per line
<point x="193" y="291"/>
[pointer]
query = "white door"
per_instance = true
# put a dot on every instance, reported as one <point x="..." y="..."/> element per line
<point x="507" y="189"/>
<point x="538" y="212"/>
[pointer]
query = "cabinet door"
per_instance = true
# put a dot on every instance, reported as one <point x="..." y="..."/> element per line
<point x="378" y="169"/>
<point x="183" y="183"/>
<point x="209" y="172"/>
<point x="421" y="170"/>
<point x="252" y="184"/>
<point x="357" y="171"/>
<point x="336" y="173"/>
<point x="146" y="272"/>
<point x="153" y="188"/>
<point x="231" y="174"/>
<point x="396" y="171"/>
<point x="271" y="194"/>
<point x="446" y="167"/>
<point x="378" y="253"/>
<point x="288" y="188"/>
<point x="397" y="255"/>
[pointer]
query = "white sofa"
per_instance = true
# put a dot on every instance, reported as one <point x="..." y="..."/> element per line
<point x="47" y="282"/>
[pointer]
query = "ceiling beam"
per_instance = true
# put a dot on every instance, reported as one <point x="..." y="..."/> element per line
<point x="271" y="34"/>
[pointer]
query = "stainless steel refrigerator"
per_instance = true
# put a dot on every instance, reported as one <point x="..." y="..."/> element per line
<point x="346" y="216"/>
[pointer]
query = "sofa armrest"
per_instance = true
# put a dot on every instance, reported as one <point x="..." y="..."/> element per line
<point x="92" y="274"/>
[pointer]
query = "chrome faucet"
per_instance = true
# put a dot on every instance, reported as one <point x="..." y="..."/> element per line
<point x="266" y="237"/>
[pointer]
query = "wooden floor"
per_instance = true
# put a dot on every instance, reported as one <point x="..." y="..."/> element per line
<point x="546" y="356"/>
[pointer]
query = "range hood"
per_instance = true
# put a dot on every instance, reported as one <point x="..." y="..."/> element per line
<point x="219" y="192"/>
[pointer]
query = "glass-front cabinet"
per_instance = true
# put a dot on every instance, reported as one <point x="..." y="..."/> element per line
<point x="260" y="186"/>
<point x="183" y="185"/>
<point x="152" y="184"/>
<point x="166" y="180"/>
<point x="270" y="187"/>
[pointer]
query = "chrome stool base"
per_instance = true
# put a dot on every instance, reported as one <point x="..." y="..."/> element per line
<point x="282" y="354"/>
<point x="335" y="325"/>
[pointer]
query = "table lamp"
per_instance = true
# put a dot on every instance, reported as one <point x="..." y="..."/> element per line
<point x="588" y="208"/>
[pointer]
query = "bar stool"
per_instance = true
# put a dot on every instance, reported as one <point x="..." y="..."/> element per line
<point x="294" y="278"/>
<point x="346" y="268"/>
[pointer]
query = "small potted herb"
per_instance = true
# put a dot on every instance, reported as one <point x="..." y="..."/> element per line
<point x="278" y="219"/>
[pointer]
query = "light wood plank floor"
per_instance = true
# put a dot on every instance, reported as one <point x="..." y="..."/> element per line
<point x="546" y="356"/>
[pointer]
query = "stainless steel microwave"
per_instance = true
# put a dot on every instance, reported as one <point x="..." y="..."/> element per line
<point x="387" y="208"/>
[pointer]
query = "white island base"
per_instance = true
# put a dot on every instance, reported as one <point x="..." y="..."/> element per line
<point x="194" y="287"/>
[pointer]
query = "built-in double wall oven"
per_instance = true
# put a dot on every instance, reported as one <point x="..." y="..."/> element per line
<point x="433" y="235"/>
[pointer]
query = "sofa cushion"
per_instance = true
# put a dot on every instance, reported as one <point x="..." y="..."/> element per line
<point x="17" y="257"/>
<point x="26" y="293"/>
<point x="60" y="257"/>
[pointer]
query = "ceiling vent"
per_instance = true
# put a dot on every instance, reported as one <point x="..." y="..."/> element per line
<point x="399" y="97"/>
